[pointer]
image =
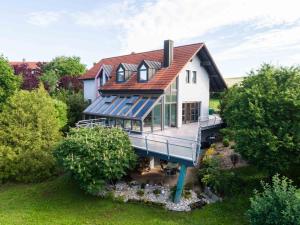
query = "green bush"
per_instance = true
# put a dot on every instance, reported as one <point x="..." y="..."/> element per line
<point x="95" y="156"/>
<point x="187" y="194"/>
<point x="225" y="142"/>
<point x="140" y="192"/>
<point x="276" y="204"/>
<point x="75" y="103"/>
<point x="222" y="182"/>
<point x="157" y="192"/>
<point x="29" y="131"/>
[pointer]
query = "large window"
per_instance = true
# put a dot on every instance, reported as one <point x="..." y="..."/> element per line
<point x="187" y="76"/>
<point x="190" y="112"/>
<point x="194" y="77"/>
<point x="171" y="105"/>
<point x="120" y="75"/>
<point x="143" y="73"/>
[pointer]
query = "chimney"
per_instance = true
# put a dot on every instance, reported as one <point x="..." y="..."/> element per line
<point x="168" y="52"/>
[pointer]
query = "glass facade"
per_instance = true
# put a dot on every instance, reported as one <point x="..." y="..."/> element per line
<point x="125" y="111"/>
<point x="171" y="105"/>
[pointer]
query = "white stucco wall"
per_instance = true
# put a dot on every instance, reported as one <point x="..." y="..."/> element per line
<point x="89" y="89"/>
<point x="191" y="92"/>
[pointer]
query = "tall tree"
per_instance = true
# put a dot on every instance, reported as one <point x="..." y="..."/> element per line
<point x="263" y="114"/>
<point x="56" y="71"/>
<point x="30" y="126"/>
<point x="9" y="83"/>
<point x="63" y="65"/>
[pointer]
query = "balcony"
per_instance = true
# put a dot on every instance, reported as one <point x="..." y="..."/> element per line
<point x="181" y="145"/>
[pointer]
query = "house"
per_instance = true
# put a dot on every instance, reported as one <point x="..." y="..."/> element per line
<point x="30" y="67"/>
<point x="160" y="97"/>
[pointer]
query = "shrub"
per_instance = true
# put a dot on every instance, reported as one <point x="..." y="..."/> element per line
<point x="187" y="194"/>
<point x="95" y="156"/>
<point x="157" y="192"/>
<point x="276" y="204"/>
<point x="140" y="192"/>
<point x="29" y="131"/>
<point x="75" y="103"/>
<point x="234" y="159"/>
<point x="225" y="142"/>
<point x="223" y="182"/>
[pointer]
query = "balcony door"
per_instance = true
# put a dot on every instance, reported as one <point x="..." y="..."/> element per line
<point x="190" y="112"/>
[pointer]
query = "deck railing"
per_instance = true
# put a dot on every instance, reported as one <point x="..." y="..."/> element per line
<point x="170" y="146"/>
<point x="157" y="143"/>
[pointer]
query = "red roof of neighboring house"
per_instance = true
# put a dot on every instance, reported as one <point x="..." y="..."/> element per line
<point x="162" y="78"/>
<point x="30" y="65"/>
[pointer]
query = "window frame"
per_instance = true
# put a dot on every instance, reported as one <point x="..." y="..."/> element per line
<point x="144" y="70"/>
<point x="194" y="77"/>
<point x="120" y="70"/>
<point x="187" y="76"/>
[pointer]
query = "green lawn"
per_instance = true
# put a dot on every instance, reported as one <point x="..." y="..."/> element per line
<point x="59" y="201"/>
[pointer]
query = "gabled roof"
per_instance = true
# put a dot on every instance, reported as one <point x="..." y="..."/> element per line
<point x="130" y="67"/>
<point x="153" y="64"/>
<point x="162" y="78"/>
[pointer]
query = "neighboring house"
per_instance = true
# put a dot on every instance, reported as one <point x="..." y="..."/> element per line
<point x="32" y="67"/>
<point x="160" y="97"/>
<point x="30" y="71"/>
<point x="230" y="81"/>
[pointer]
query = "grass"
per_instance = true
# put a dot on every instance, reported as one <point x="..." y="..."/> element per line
<point x="59" y="201"/>
<point x="214" y="104"/>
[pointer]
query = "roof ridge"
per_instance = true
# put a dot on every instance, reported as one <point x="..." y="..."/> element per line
<point x="137" y="53"/>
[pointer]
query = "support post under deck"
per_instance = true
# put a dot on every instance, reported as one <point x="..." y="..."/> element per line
<point x="180" y="183"/>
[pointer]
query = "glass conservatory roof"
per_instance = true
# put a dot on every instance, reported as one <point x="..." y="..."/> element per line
<point x="132" y="107"/>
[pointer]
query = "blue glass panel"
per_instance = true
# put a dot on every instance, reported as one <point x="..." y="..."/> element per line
<point x="120" y="107"/>
<point x="137" y="107"/>
<point x="93" y="105"/>
<point x="107" y="103"/>
<point x="98" y="106"/>
<point x="146" y="107"/>
<point x="132" y="99"/>
<point x="128" y="105"/>
<point x="112" y="106"/>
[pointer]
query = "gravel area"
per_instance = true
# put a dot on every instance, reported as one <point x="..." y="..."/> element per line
<point x="154" y="194"/>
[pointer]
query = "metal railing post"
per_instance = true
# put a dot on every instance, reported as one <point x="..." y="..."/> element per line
<point x="146" y="143"/>
<point x="168" y="150"/>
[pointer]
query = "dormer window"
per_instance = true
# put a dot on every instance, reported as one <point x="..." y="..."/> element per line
<point x="147" y="69"/>
<point x="121" y="74"/>
<point x="143" y="73"/>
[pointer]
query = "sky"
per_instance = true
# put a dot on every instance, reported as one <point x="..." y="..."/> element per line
<point x="240" y="34"/>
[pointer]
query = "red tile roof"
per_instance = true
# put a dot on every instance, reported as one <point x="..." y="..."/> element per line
<point x="162" y="78"/>
<point x="30" y="65"/>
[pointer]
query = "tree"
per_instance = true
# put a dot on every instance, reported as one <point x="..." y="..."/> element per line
<point x="75" y="102"/>
<point x="30" y="77"/>
<point x="9" y="83"/>
<point x="62" y="73"/>
<point x="277" y="204"/>
<point x="29" y="130"/>
<point x="263" y="116"/>
<point x="95" y="156"/>
<point x="63" y="66"/>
